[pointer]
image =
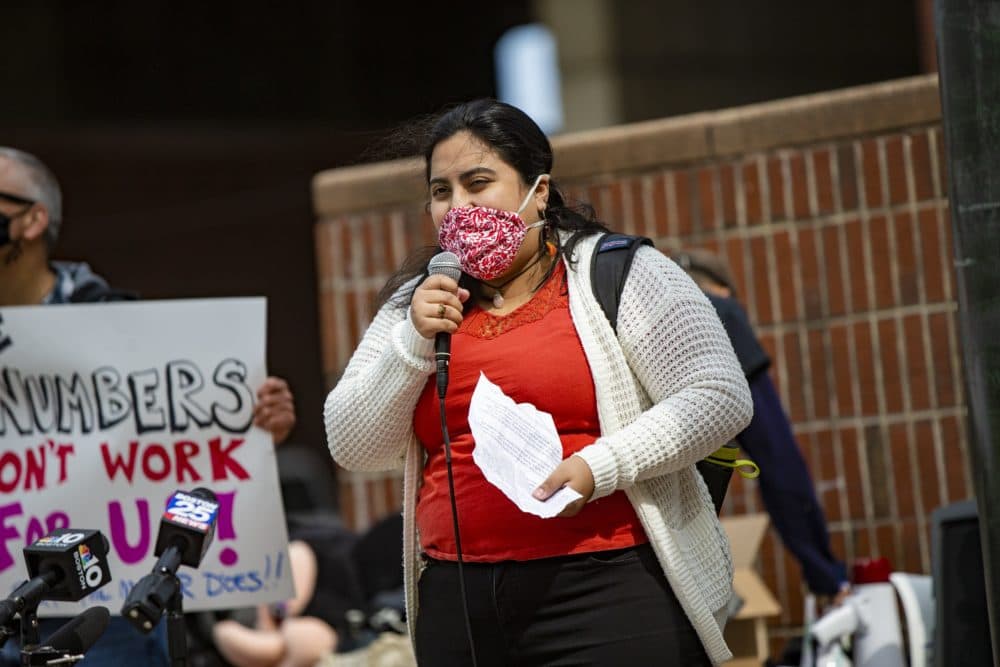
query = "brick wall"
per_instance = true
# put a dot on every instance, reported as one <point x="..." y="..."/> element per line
<point x="831" y="210"/>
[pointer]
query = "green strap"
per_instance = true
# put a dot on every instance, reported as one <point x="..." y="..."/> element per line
<point x="727" y="457"/>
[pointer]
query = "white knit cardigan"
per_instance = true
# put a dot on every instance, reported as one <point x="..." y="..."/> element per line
<point x="669" y="392"/>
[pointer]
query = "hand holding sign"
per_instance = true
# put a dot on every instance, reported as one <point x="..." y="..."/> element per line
<point x="99" y="428"/>
<point x="275" y="411"/>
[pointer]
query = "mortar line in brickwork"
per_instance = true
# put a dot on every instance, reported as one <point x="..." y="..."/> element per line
<point x="774" y="291"/>
<point x="673" y="216"/>
<point x="355" y="285"/>
<point x="764" y="189"/>
<point x="357" y="269"/>
<point x="397" y="493"/>
<point x="628" y="210"/>
<point x="827" y="370"/>
<point x="376" y="496"/>
<point x="890" y="218"/>
<point x="378" y="256"/>
<point x="861" y="442"/>
<point x="604" y="204"/>
<point x="780" y="570"/>
<point x="848" y="525"/>
<point x="831" y="220"/>
<point x="749" y="490"/>
<point x="787" y="195"/>
<point x="718" y="212"/>
<point x="918" y="492"/>
<point x="851" y="319"/>
<point x="846" y="319"/>
<point x="871" y="315"/>
<point x="750" y="291"/>
<point x="359" y="494"/>
<point x="897" y="347"/>
<point x="719" y="229"/>
<point x="750" y="296"/>
<point x="835" y="408"/>
<point x="935" y="160"/>
<point x="884" y="206"/>
<point x="341" y="335"/>
<point x="891" y="419"/>
<point x="812" y="197"/>
<point x="397" y="239"/>
<point x="800" y="328"/>
<point x="374" y="239"/>
<point x="739" y="192"/>
<point x="798" y="292"/>
<point x="940" y="208"/>
<point x="648" y="210"/>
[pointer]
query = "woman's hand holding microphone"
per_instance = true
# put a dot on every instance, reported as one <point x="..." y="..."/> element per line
<point x="436" y="306"/>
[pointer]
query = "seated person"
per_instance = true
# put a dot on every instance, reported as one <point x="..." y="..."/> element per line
<point x="282" y="636"/>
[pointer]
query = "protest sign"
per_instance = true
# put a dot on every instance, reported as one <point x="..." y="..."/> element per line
<point x="107" y="409"/>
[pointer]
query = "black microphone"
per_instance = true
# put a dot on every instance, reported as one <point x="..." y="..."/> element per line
<point x="187" y="527"/>
<point x="443" y="264"/>
<point x="186" y="531"/>
<point x="66" y="565"/>
<point x="82" y="632"/>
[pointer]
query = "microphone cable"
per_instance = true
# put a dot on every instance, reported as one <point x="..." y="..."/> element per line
<point x="447" y="264"/>
<point x="454" y="518"/>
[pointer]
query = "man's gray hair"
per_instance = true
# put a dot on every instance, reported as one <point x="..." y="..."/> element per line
<point x="39" y="184"/>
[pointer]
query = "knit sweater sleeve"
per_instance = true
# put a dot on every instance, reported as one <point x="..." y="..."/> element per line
<point x="679" y="353"/>
<point x="369" y="413"/>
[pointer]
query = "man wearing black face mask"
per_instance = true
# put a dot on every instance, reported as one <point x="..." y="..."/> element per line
<point x="30" y="219"/>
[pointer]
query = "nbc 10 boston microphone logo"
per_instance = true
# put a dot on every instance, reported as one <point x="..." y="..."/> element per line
<point x="87" y="563"/>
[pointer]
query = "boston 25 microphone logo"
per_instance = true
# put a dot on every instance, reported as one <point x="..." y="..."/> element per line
<point x="192" y="511"/>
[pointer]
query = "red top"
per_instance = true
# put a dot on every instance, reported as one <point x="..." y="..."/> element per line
<point x="534" y="355"/>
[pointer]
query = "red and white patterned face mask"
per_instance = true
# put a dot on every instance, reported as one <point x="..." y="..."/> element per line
<point x="486" y="240"/>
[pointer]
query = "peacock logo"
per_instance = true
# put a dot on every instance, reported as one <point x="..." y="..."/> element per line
<point x="91" y="566"/>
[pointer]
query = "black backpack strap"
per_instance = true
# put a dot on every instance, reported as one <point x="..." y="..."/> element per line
<point x="609" y="269"/>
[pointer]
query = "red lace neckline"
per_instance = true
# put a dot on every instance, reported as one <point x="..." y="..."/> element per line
<point x="551" y="295"/>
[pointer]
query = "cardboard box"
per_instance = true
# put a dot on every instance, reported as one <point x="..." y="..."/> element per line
<point x="746" y="631"/>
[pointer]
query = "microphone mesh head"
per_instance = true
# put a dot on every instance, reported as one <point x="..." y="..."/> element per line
<point x="82" y="632"/>
<point x="205" y="494"/>
<point x="445" y="264"/>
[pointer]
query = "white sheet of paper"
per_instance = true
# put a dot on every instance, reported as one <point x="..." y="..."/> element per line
<point x="517" y="447"/>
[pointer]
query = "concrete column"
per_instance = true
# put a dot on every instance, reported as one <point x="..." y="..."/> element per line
<point x="591" y="84"/>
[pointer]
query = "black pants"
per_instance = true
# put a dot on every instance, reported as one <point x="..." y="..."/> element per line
<point x="607" y="608"/>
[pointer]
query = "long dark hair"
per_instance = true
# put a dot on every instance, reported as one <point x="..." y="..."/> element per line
<point x="519" y="142"/>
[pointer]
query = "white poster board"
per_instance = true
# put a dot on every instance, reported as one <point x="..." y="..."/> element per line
<point x="108" y="409"/>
